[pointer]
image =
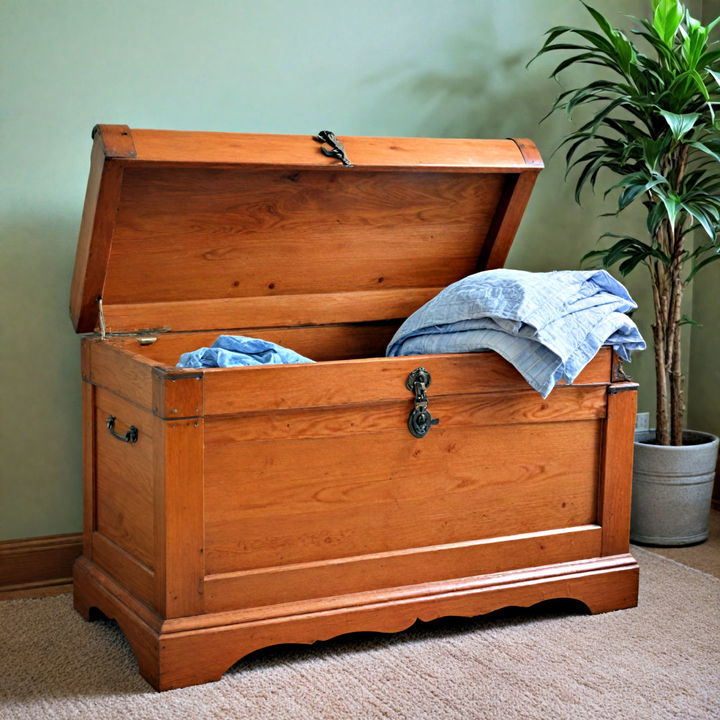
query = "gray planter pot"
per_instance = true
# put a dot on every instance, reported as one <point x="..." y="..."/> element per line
<point x="672" y="489"/>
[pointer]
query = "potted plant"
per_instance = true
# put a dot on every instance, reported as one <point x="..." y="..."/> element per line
<point x="655" y="128"/>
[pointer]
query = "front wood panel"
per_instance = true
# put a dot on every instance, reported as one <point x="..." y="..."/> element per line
<point x="190" y="234"/>
<point x="124" y="478"/>
<point x="573" y="403"/>
<point x="358" y="383"/>
<point x="301" y="500"/>
<point x="380" y="571"/>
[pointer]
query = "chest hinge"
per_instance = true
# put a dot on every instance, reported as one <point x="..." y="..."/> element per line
<point x="144" y="337"/>
<point x="101" y="318"/>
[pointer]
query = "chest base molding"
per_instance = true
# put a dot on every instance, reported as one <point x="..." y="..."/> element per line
<point x="198" y="649"/>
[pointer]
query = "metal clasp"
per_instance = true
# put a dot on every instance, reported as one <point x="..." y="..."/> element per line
<point x="420" y="421"/>
<point x="336" y="150"/>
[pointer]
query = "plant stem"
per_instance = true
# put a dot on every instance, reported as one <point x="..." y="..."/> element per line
<point x="674" y="366"/>
<point x="674" y="328"/>
<point x="662" y="434"/>
<point x="677" y="400"/>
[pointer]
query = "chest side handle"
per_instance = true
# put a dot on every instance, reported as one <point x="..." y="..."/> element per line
<point x="131" y="436"/>
<point x="420" y="420"/>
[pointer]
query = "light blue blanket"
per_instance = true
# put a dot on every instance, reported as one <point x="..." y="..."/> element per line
<point x="238" y="350"/>
<point x="548" y="325"/>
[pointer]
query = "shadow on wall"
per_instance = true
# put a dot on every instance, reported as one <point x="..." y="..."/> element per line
<point x="472" y="98"/>
<point x="487" y="92"/>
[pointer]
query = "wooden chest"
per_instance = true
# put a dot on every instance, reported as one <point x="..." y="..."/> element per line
<point x="231" y="509"/>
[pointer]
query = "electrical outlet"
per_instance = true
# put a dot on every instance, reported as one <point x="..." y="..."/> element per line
<point x="642" y="421"/>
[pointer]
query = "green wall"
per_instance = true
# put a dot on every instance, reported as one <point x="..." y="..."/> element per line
<point x="365" y="67"/>
<point x="704" y="396"/>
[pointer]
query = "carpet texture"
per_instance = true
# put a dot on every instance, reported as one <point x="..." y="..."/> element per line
<point x="658" y="661"/>
<point x="705" y="556"/>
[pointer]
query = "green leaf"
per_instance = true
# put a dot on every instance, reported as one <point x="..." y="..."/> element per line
<point x="579" y="59"/>
<point x="629" y="246"/>
<point x="694" y="43"/>
<point x="627" y="266"/>
<point x="667" y="16"/>
<point x="605" y="26"/>
<point x="701" y="215"/>
<point x="700" y="84"/>
<point x="624" y="51"/>
<point x="633" y="185"/>
<point x="632" y="191"/>
<point x="672" y="205"/>
<point x="591" y="255"/>
<point x="639" y="125"/>
<point x="658" y="45"/>
<point x="654" y="150"/>
<point x="702" y="264"/>
<point x="631" y="179"/>
<point x="709" y="58"/>
<point x="685" y="320"/>
<point x="680" y="125"/>
<point x="704" y="148"/>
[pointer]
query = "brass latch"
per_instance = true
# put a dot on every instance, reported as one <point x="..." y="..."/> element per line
<point x="420" y="421"/>
<point x="336" y="149"/>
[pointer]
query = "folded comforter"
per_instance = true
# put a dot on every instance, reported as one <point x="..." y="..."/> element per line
<point x="548" y="325"/>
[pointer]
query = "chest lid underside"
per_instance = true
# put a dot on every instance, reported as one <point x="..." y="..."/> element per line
<point x="204" y="231"/>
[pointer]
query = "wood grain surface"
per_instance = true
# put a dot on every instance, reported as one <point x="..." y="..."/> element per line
<point x="37" y="564"/>
<point x="617" y="463"/>
<point x="364" y="381"/>
<point x="187" y="651"/>
<point x="269" y="311"/>
<point x="114" y="368"/>
<point x="179" y="509"/>
<point x="127" y="570"/>
<point x="170" y="230"/>
<point x="96" y="230"/>
<point x="248" y="150"/>
<point x="305" y="500"/>
<point x="290" y="503"/>
<point x="123" y="487"/>
<point x="322" y="343"/>
<point x="198" y="234"/>
<point x="269" y="586"/>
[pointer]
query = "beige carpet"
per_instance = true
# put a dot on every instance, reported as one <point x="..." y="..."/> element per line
<point x="657" y="661"/>
<point x="705" y="556"/>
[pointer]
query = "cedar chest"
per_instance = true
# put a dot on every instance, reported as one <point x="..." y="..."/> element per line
<point x="231" y="509"/>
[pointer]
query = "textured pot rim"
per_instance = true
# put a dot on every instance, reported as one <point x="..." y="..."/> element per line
<point x="711" y="440"/>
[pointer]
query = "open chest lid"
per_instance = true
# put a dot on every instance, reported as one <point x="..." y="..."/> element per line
<point x="203" y="231"/>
